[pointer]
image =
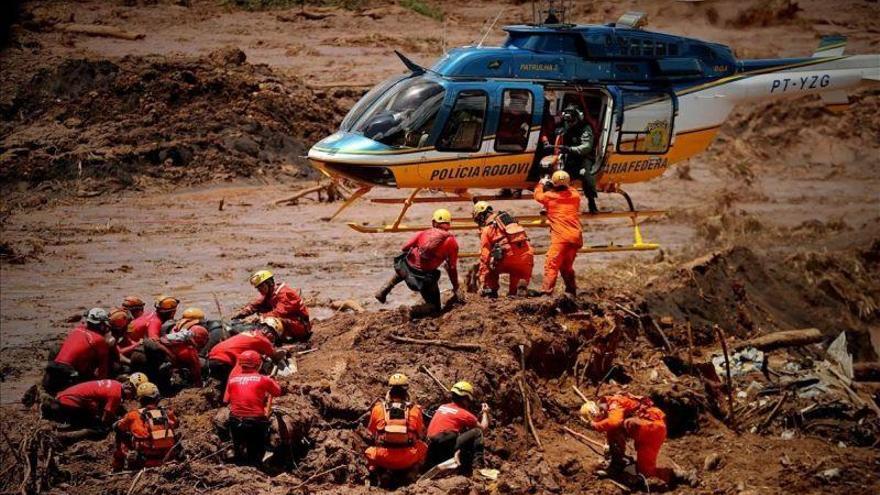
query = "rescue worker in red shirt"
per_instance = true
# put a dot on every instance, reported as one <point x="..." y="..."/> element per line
<point x="119" y="319"/>
<point x="397" y="430"/>
<point x="224" y="356"/>
<point x="191" y="316"/>
<point x="624" y="416"/>
<point x="454" y="433"/>
<point x="563" y="205"/>
<point x="282" y="302"/>
<point x="92" y="405"/>
<point x="504" y="248"/>
<point x="145" y="436"/>
<point x="84" y="355"/>
<point x="134" y="305"/>
<point x="249" y="397"/>
<point x="175" y="352"/>
<point x="418" y="264"/>
<point x="149" y="325"/>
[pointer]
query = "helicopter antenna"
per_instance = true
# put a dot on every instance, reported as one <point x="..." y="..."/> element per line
<point x="412" y="66"/>
<point x="490" y="28"/>
<point x="443" y="40"/>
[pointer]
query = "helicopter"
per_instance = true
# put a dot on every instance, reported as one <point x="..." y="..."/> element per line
<point x="477" y="117"/>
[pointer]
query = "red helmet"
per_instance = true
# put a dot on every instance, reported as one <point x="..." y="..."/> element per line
<point x="119" y="318"/>
<point x="200" y="335"/>
<point x="249" y="360"/>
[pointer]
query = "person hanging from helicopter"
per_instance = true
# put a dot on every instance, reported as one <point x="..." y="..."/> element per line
<point x="577" y="138"/>
<point x="504" y="248"/>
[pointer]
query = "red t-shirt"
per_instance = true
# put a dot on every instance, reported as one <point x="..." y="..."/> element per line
<point x="248" y="393"/>
<point x="229" y="350"/>
<point x="451" y="417"/>
<point x="93" y="396"/>
<point x="430" y="248"/>
<point x="186" y="356"/>
<point x="139" y="327"/>
<point x="85" y="351"/>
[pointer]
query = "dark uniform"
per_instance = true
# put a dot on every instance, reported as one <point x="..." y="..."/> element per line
<point x="578" y="138"/>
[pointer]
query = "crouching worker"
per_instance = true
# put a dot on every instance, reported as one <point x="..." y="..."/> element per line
<point x="282" y="302"/>
<point x="626" y="416"/>
<point x="418" y="265"/>
<point x="176" y="352"/>
<point x="92" y="406"/>
<point x="397" y="431"/>
<point x="504" y="248"/>
<point x="223" y="356"/>
<point x="455" y="437"/>
<point x="145" y="437"/>
<point x="85" y="354"/>
<point x="249" y="395"/>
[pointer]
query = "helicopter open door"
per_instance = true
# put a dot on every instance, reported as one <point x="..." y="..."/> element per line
<point x="644" y="120"/>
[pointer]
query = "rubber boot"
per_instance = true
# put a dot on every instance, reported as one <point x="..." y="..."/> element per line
<point x="591" y="204"/>
<point x="422" y="311"/>
<point x="382" y="294"/>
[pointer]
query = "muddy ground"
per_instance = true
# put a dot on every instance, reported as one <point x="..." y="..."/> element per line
<point x="116" y="157"/>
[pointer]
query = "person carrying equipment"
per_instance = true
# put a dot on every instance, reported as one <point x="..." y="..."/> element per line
<point x="145" y="436"/>
<point x="455" y="433"/>
<point x="92" y="405"/>
<point x="84" y="355"/>
<point x="149" y="325"/>
<point x="282" y="302"/>
<point x="397" y="431"/>
<point x="624" y="416"/>
<point x="563" y="204"/>
<point x="504" y="248"/>
<point x="248" y="395"/>
<point x="224" y="356"/>
<point x="134" y="305"/>
<point x="178" y="351"/>
<point x="418" y="265"/>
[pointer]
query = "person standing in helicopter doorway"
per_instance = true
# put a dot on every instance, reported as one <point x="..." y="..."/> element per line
<point x="577" y="146"/>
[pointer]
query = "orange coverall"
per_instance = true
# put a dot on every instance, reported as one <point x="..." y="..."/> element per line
<point x="397" y="458"/>
<point x="645" y="425"/>
<point x="566" y="235"/>
<point x="518" y="259"/>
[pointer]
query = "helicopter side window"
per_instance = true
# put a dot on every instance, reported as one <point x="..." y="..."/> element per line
<point x="464" y="128"/>
<point x="515" y="120"/>
<point x="647" y="123"/>
<point x="404" y="115"/>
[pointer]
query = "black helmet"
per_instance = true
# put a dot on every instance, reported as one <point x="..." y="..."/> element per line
<point x="572" y="114"/>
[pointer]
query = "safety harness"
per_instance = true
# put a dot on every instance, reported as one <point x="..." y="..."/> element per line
<point x="396" y="431"/>
<point x="160" y="436"/>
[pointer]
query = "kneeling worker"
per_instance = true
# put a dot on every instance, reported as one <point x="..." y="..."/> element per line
<point x="145" y="436"/>
<point x="92" y="405"/>
<point x="282" y="302"/>
<point x="419" y="263"/>
<point x="504" y="248"/>
<point x="454" y="431"/>
<point x="397" y="429"/>
<point x="248" y="395"/>
<point x="626" y="416"/>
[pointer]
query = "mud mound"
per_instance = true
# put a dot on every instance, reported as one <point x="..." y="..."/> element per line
<point x="749" y="294"/>
<point x="116" y="123"/>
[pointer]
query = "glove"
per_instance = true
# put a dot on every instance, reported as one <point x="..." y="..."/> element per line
<point x="564" y="149"/>
<point x="546" y="182"/>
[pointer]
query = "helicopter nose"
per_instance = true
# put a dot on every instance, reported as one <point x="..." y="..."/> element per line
<point x="349" y="155"/>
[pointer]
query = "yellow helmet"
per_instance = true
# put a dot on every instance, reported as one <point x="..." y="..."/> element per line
<point x="260" y="277"/>
<point x="590" y="410"/>
<point x="463" y="389"/>
<point x="442" y="215"/>
<point x="398" y="380"/>
<point x="274" y="323"/>
<point x="193" y="314"/>
<point x="138" y="379"/>
<point x="560" y="178"/>
<point x="481" y="207"/>
<point x="148" y="390"/>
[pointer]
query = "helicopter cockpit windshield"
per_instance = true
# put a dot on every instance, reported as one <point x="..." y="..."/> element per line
<point x="403" y="116"/>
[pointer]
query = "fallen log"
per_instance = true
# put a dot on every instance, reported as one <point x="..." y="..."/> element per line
<point x="459" y="346"/>
<point x="866" y="372"/>
<point x="779" y="340"/>
<point x="98" y="30"/>
<point x="347" y="305"/>
<point x="587" y="440"/>
<point x="424" y="369"/>
<point x="527" y="406"/>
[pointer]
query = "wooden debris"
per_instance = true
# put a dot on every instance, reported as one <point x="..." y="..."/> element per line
<point x="731" y="417"/>
<point x="580" y="394"/>
<point x="779" y="340"/>
<point x="347" y="305"/>
<point x="424" y="369"/>
<point x="459" y="346"/>
<point x="332" y="190"/>
<point x="98" y="30"/>
<point x="663" y="335"/>
<point x="769" y="418"/>
<point x="318" y="475"/>
<point x="592" y="444"/>
<point x="527" y="406"/>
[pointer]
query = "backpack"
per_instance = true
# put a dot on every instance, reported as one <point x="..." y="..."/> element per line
<point x="160" y="436"/>
<point x="396" y="431"/>
<point x="513" y="232"/>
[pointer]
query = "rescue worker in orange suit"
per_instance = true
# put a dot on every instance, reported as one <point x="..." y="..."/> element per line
<point x="504" y="248"/>
<point x="191" y="316"/>
<point x="93" y="405"/>
<point x="149" y="325"/>
<point x="563" y="205"/>
<point x="84" y="355"/>
<point x="145" y="436"/>
<point x="397" y="430"/>
<point x="134" y="305"/>
<point x="418" y="265"/>
<point x="178" y="351"/>
<point x="282" y="302"/>
<point x="224" y="356"/>
<point x="454" y="435"/>
<point x="626" y="416"/>
<point x="249" y="397"/>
